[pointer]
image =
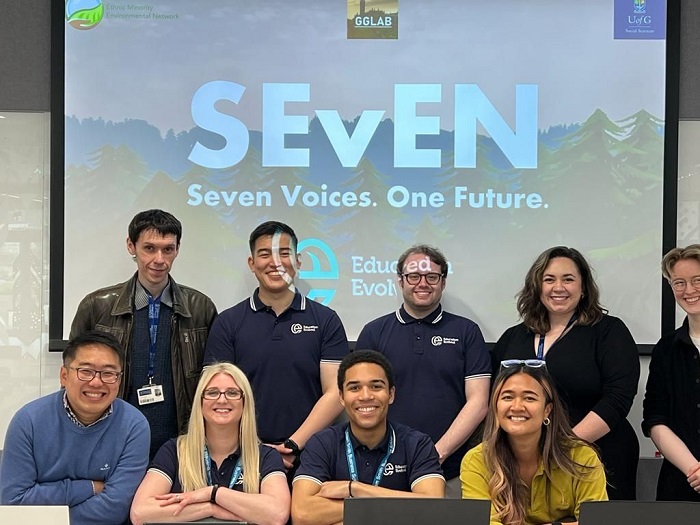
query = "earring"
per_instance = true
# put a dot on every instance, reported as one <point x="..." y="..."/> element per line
<point x="546" y="421"/>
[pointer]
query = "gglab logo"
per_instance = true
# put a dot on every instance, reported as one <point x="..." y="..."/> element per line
<point x="84" y="14"/>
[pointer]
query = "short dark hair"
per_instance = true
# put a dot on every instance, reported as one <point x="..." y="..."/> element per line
<point x="364" y="356"/>
<point x="271" y="228"/>
<point x="93" y="337"/>
<point x="163" y="222"/>
<point x="435" y="255"/>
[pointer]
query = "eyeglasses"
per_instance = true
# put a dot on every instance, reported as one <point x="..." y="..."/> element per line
<point x="213" y="394"/>
<point x="679" y="285"/>
<point x="88" y="374"/>
<point x="415" y="278"/>
<point x="530" y="363"/>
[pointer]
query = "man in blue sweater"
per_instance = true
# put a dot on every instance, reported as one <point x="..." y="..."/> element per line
<point x="81" y="446"/>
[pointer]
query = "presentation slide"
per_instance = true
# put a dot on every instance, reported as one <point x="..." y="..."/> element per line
<point x="489" y="129"/>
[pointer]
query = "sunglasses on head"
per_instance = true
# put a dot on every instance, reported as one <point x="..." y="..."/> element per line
<point x="530" y="363"/>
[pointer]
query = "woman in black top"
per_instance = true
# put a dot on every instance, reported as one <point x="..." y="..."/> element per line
<point x="591" y="356"/>
<point x="672" y="399"/>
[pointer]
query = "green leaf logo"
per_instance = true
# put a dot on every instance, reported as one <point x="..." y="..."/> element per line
<point x="84" y="14"/>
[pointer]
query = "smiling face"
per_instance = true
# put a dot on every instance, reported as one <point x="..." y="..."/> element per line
<point x="562" y="287"/>
<point x="421" y="299"/>
<point x="154" y="255"/>
<point x="688" y="299"/>
<point x="222" y="411"/>
<point x="366" y="397"/>
<point x="274" y="262"/>
<point x="521" y="406"/>
<point x="90" y="399"/>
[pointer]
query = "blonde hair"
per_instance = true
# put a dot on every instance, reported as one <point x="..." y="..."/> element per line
<point x="677" y="254"/>
<point x="509" y="494"/>
<point x="192" y="470"/>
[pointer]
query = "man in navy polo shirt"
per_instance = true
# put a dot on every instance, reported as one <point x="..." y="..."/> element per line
<point x="367" y="457"/>
<point x="288" y="346"/>
<point x="442" y="366"/>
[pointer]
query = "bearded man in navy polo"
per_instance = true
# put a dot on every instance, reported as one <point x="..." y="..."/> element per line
<point x="438" y="357"/>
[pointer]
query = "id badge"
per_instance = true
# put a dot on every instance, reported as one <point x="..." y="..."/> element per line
<point x="150" y="394"/>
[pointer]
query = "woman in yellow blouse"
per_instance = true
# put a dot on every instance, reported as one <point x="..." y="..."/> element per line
<point x="531" y="465"/>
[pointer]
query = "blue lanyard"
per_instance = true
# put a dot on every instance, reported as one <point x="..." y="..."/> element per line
<point x="350" y="456"/>
<point x="236" y="471"/>
<point x="153" y="319"/>
<point x="540" y="344"/>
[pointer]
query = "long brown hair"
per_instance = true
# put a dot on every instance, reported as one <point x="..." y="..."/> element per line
<point x="534" y="314"/>
<point x="509" y="494"/>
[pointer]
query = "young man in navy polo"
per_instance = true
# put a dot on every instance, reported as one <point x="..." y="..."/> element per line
<point x="288" y="346"/>
<point x="442" y="365"/>
<point x="367" y="457"/>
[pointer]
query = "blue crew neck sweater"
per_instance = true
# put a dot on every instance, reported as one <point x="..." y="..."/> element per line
<point x="49" y="460"/>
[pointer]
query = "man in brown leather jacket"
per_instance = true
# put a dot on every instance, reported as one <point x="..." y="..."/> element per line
<point x="162" y="325"/>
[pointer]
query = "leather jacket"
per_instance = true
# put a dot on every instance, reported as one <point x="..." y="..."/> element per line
<point x="111" y="310"/>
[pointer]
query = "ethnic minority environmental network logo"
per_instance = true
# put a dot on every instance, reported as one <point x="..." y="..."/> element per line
<point x="84" y="14"/>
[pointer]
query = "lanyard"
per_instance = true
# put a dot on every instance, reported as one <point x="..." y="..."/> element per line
<point x="540" y="344"/>
<point x="350" y="456"/>
<point x="236" y="471"/>
<point x="153" y="319"/>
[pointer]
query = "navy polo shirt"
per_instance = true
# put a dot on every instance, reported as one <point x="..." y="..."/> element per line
<point x="412" y="459"/>
<point x="281" y="355"/>
<point x="431" y="358"/>
<point x="166" y="464"/>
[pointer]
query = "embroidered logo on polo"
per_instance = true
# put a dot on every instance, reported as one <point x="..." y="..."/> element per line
<point x="106" y="467"/>
<point x="298" y="328"/>
<point x="390" y="468"/>
<point x="438" y="340"/>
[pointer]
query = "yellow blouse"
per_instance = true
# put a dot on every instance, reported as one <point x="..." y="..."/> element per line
<point x="566" y="492"/>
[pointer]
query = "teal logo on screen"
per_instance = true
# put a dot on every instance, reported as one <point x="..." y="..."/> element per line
<point x="324" y="266"/>
<point x="84" y="14"/>
<point x="640" y="6"/>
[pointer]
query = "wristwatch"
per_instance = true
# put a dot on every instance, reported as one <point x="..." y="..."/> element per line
<point x="291" y="445"/>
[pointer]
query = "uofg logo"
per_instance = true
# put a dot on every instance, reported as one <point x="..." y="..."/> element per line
<point x="84" y="14"/>
<point x="640" y="6"/>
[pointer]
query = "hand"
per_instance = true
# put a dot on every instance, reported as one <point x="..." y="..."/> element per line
<point x="202" y="495"/>
<point x="335" y="489"/>
<point x="288" y="458"/>
<point x="694" y="477"/>
<point x="97" y="486"/>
